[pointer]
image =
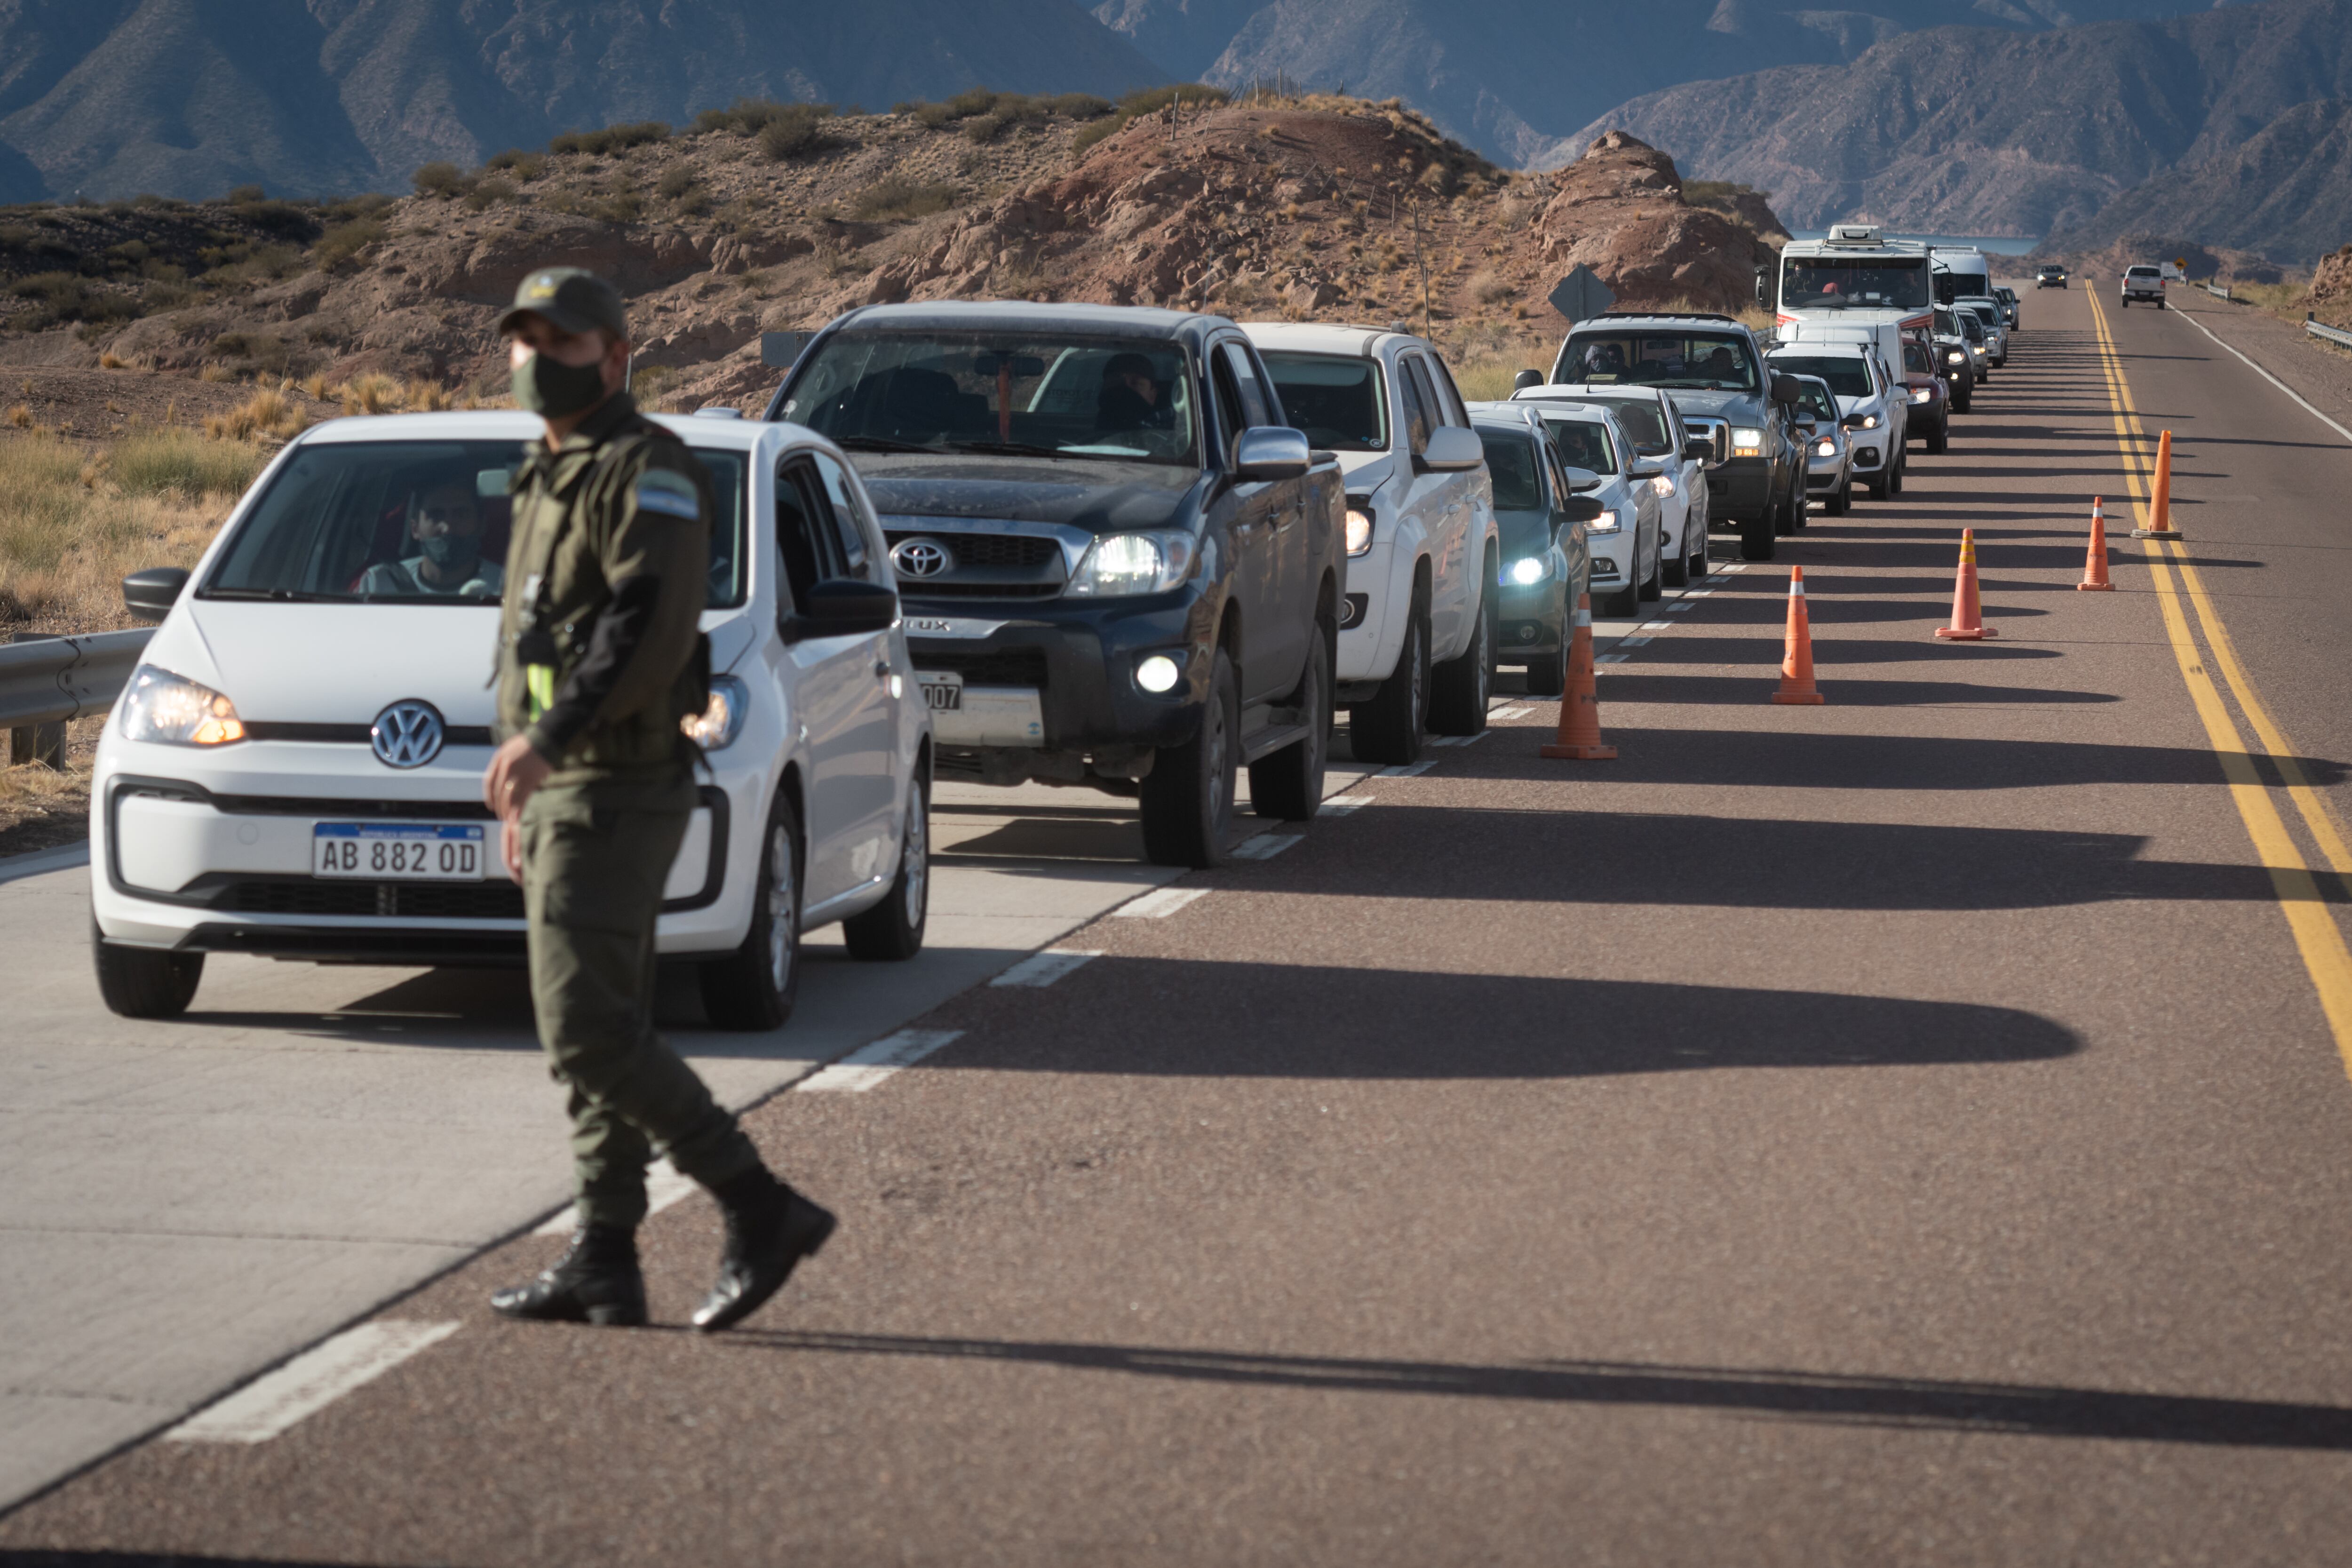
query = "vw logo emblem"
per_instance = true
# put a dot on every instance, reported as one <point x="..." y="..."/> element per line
<point x="922" y="558"/>
<point x="406" y="735"/>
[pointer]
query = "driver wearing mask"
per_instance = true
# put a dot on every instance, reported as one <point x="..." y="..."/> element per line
<point x="446" y="524"/>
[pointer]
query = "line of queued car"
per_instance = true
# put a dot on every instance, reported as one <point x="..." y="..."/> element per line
<point x="1135" y="551"/>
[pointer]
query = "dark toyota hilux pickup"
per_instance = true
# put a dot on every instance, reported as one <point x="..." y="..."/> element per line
<point x="1119" y="566"/>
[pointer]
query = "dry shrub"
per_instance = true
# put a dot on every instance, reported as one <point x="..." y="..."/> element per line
<point x="373" y="393"/>
<point x="69" y="532"/>
<point x="1488" y="288"/>
<point x="181" y="463"/>
<point x="110" y="360"/>
<point x="424" y="396"/>
<point x="263" y="413"/>
<point x="314" y="386"/>
<point x="214" y="371"/>
<point x="21" y="417"/>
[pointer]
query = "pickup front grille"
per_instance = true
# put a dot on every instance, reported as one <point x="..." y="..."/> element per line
<point x="992" y="550"/>
<point x="1001" y="667"/>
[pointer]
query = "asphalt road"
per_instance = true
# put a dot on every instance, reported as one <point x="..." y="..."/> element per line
<point x="1906" y="1130"/>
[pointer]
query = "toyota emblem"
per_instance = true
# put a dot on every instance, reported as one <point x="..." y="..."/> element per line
<point x="407" y="734"/>
<point x="920" y="558"/>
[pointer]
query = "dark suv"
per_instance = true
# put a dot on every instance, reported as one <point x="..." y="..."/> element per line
<point x="1120" y="567"/>
<point x="1746" y="414"/>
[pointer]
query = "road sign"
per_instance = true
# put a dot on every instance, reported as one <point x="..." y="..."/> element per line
<point x="1582" y="295"/>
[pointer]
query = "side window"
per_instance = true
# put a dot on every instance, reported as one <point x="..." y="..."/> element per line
<point x="1455" y="413"/>
<point x="1257" y="409"/>
<point x="849" y="527"/>
<point x="1231" y="420"/>
<point x="802" y="523"/>
<point x="1417" y="420"/>
<point x="1431" y="402"/>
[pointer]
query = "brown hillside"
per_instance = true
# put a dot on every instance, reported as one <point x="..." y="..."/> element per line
<point x="1322" y="208"/>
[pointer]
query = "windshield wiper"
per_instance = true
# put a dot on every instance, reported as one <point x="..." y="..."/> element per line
<point x="878" y="443"/>
<point x="1010" y="448"/>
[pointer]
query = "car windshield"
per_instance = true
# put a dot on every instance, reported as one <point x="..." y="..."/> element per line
<point x="1584" y="443"/>
<point x="1971" y="328"/>
<point x="1847" y="375"/>
<point x="1859" y="282"/>
<point x="1511" y="459"/>
<point x="1989" y="314"/>
<point x="1337" y="399"/>
<point x="1025" y="393"/>
<point x="1951" y="286"/>
<point x="2142" y="272"/>
<point x="415" y="522"/>
<point x="1645" y="426"/>
<point x="1703" y="360"/>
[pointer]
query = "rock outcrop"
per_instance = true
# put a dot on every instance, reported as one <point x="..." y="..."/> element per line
<point x="1620" y="210"/>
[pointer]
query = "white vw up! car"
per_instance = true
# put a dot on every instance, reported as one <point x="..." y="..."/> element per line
<point x="295" y="769"/>
<point x="1423" y="541"/>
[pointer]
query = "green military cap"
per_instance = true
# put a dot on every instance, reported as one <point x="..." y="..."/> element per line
<point x="574" y="299"/>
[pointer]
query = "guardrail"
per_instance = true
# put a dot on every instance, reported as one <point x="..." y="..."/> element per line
<point x="46" y="681"/>
<point x="2218" y="291"/>
<point x="2333" y="334"/>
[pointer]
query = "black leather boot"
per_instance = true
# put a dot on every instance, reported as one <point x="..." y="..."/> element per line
<point x="769" y="1229"/>
<point x="596" y="1281"/>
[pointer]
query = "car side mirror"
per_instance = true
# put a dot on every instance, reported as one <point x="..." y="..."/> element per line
<point x="840" y="607"/>
<point x="1648" y="468"/>
<point x="1577" y="508"/>
<point x="148" y="595"/>
<point x="1786" y="389"/>
<point x="1450" y="451"/>
<point x="1526" y="379"/>
<point x="1272" y="452"/>
<point x="1583" y="480"/>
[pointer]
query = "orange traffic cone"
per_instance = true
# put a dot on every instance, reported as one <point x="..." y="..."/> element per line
<point x="2159" y="500"/>
<point x="1797" y="660"/>
<point x="1579" y="707"/>
<point x="1967" y="618"/>
<point x="2094" y="565"/>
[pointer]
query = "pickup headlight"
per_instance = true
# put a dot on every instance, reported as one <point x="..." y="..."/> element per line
<point x="1662" y="485"/>
<point x="1954" y="356"/>
<point x="1123" y="564"/>
<point x="1921" y="395"/>
<point x="1528" y="568"/>
<point x="1359" y="529"/>
<point x="1744" y="439"/>
<point x="160" y="706"/>
<point x="715" y="728"/>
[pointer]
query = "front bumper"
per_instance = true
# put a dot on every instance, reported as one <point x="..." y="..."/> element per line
<point x="213" y="853"/>
<point x="1052" y="686"/>
<point x="1739" y="489"/>
<point x="1531" y="620"/>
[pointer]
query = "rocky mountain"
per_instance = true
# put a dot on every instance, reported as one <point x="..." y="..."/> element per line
<point x="189" y="98"/>
<point x="1324" y="209"/>
<point x="2229" y="125"/>
<point x="1520" y="79"/>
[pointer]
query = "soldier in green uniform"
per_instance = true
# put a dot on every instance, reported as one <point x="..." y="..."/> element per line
<point x="600" y="656"/>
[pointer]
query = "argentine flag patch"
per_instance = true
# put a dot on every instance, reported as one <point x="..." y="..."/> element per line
<point x="672" y="495"/>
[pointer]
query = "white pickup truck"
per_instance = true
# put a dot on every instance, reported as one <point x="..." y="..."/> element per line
<point x="1417" y="630"/>
<point x="2145" y="284"/>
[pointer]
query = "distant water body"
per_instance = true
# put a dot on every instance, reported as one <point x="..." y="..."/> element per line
<point x="1996" y="244"/>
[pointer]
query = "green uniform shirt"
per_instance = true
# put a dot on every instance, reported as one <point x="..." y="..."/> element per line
<point x="620" y="502"/>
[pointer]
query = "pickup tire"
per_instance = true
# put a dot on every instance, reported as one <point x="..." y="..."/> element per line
<point x="144" y="982"/>
<point x="1801" y="504"/>
<point x="1459" y="688"/>
<point x="1842" y="498"/>
<point x="1960" y="400"/>
<point x="753" y="987"/>
<point x="1187" y="796"/>
<point x="1756" y="534"/>
<point x="1388" y="727"/>
<point x="1289" y="784"/>
<point x="1938" y="439"/>
<point x="892" y="931"/>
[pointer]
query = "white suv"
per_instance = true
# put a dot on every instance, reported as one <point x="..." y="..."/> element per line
<point x="1423" y="541"/>
<point x="1661" y="440"/>
<point x="1874" y="407"/>
<point x="295" y="770"/>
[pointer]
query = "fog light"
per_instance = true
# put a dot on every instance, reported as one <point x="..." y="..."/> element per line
<point x="1157" y="674"/>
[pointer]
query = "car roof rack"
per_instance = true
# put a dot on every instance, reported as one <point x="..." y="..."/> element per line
<point x="1667" y="316"/>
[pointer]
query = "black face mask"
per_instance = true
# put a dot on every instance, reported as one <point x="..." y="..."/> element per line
<point x="448" y="550"/>
<point x="545" y="386"/>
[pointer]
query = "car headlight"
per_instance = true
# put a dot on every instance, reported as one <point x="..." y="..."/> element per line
<point x="1861" y="422"/>
<point x="1528" y="568"/>
<point x="1825" y="448"/>
<point x="1122" y="563"/>
<point x="1360" y="529"/>
<point x="160" y="706"/>
<point x="1604" y="523"/>
<point x="1662" y="485"/>
<point x="1954" y="357"/>
<point x="1744" y="439"/>
<point x="715" y="728"/>
<point x="1921" y="395"/>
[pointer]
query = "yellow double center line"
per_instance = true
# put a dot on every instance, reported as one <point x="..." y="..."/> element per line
<point x="2317" y="937"/>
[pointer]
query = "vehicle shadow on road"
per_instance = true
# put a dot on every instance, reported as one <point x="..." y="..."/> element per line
<point x="1924" y="1404"/>
<point x="1625" y="683"/>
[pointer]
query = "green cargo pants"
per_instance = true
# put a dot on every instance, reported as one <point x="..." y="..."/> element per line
<point x="594" y="856"/>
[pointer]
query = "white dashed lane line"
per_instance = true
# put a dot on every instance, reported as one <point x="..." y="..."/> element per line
<point x="1042" y="969"/>
<point x="1338" y="806"/>
<point x="868" y="1067"/>
<point x="1161" y="902"/>
<point x="310" y="1383"/>
<point x="664" y="1187"/>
